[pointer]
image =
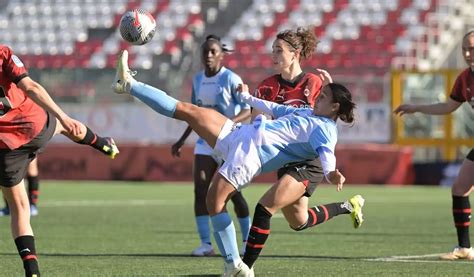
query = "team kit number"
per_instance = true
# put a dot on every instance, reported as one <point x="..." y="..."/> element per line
<point x="5" y="104"/>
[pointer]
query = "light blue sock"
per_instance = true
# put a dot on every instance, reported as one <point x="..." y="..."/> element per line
<point x="245" y="224"/>
<point x="155" y="98"/>
<point x="224" y="233"/>
<point x="202" y="223"/>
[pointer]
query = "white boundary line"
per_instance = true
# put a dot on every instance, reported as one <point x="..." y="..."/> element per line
<point x="416" y="259"/>
<point x="107" y="203"/>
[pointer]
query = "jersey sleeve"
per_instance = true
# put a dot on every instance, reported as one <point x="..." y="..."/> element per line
<point x="328" y="159"/>
<point x="193" y="89"/>
<point x="13" y="67"/>
<point x="271" y="108"/>
<point x="234" y="82"/>
<point x="315" y="84"/>
<point x="457" y="91"/>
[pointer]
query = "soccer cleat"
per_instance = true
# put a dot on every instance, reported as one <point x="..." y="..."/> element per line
<point x="5" y="211"/>
<point x="110" y="148"/>
<point x="357" y="202"/>
<point x="33" y="210"/>
<point x="123" y="75"/>
<point x="203" y="250"/>
<point x="459" y="253"/>
<point x="242" y="270"/>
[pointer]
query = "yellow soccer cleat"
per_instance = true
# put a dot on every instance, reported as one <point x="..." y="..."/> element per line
<point x="459" y="253"/>
<point x="110" y="148"/>
<point x="357" y="202"/>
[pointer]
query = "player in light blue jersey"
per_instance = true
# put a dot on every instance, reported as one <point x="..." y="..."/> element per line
<point x="296" y="134"/>
<point x="214" y="87"/>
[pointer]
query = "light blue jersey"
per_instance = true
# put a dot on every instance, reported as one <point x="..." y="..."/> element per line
<point x="296" y="135"/>
<point x="218" y="92"/>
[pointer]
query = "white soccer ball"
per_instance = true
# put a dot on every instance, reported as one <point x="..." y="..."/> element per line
<point x="137" y="26"/>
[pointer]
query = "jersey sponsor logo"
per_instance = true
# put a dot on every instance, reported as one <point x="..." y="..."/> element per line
<point x="297" y="103"/>
<point x="17" y="61"/>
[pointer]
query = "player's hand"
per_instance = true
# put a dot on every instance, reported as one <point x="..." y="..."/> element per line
<point x="336" y="177"/>
<point x="324" y="75"/>
<point x="405" y="109"/>
<point x="243" y="88"/>
<point x="72" y="126"/>
<point x="176" y="149"/>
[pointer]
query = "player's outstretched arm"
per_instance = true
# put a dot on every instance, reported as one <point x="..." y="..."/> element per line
<point x="39" y="95"/>
<point x="433" y="109"/>
<point x="273" y="109"/>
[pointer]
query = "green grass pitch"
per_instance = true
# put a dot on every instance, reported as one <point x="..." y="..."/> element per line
<point x="148" y="229"/>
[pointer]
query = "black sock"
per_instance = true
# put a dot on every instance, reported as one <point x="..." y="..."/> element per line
<point x="33" y="189"/>
<point x="322" y="213"/>
<point x="462" y="219"/>
<point x="27" y="251"/>
<point x="94" y="140"/>
<point x="258" y="234"/>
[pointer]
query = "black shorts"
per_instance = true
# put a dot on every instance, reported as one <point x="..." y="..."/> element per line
<point x="309" y="172"/>
<point x="14" y="163"/>
<point x="470" y="155"/>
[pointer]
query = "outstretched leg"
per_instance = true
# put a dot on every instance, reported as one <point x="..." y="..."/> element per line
<point x="106" y="145"/>
<point x="207" y="123"/>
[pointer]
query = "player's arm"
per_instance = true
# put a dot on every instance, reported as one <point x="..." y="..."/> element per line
<point x="245" y="112"/>
<point x="176" y="148"/>
<point x="434" y="109"/>
<point x="331" y="173"/>
<point x="39" y="95"/>
<point x="244" y="115"/>
<point x="273" y="109"/>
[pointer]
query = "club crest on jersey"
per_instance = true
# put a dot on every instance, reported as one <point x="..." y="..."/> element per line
<point x="306" y="92"/>
<point x="17" y="61"/>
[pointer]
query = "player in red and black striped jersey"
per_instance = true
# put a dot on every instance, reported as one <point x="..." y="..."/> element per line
<point x="28" y="120"/>
<point x="296" y="181"/>
<point x="463" y="91"/>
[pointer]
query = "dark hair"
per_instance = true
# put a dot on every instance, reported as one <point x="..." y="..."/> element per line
<point x="342" y="95"/>
<point x="301" y="38"/>
<point x="216" y="39"/>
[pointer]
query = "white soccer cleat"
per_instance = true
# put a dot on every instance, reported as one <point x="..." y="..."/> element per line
<point x="459" y="253"/>
<point x="242" y="270"/>
<point x="123" y="75"/>
<point x="203" y="250"/>
<point x="34" y="210"/>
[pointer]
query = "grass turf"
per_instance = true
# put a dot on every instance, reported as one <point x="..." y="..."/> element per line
<point x="148" y="229"/>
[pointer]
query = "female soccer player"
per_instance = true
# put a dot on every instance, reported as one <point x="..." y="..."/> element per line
<point x="28" y="120"/>
<point x="463" y="91"/>
<point x="293" y="87"/>
<point x="297" y="134"/>
<point x="214" y="87"/>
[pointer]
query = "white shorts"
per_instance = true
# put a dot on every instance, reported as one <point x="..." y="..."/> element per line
<point x="239" y="152"/>
<point x="202" y="148"/>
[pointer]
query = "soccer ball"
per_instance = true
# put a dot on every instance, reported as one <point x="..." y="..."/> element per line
<point x="137" y="26"/>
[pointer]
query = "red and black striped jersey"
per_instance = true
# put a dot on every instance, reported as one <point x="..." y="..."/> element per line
<point x="300" y="93"/>
<point x="463" y="89"/>
<point x="21" y="119"/>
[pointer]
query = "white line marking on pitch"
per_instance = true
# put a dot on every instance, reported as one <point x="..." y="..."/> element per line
<point x="106" y="203"/>
<point x="414" y="259"/>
